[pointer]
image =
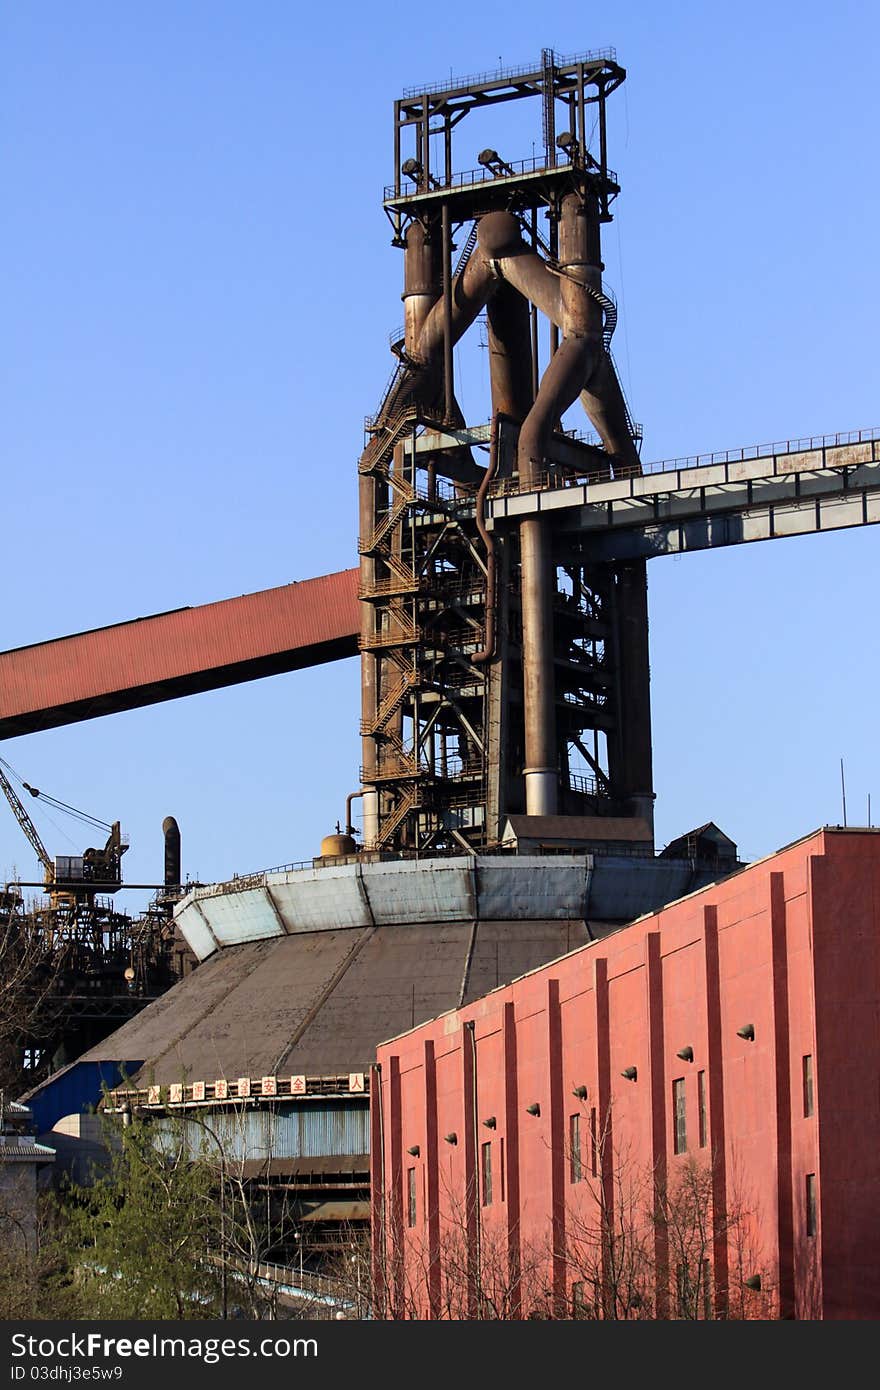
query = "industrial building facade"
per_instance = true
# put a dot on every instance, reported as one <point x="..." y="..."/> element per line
<point x="712" y="1066"/>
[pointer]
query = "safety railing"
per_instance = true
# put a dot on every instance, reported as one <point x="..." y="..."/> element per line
<point x="503" y="74"/>
<point x="473" y="178"/>
<point x="558" y="477"/>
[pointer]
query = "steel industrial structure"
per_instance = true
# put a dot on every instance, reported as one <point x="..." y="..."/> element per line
<point x="498" y="676"/>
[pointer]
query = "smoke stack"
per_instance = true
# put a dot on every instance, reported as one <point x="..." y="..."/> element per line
<point x="171" y="831"/>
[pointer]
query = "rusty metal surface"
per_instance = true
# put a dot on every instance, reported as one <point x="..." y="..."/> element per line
<point x="179" y="653"/>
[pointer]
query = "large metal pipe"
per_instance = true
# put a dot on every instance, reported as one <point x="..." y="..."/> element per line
<point x="504" y="253"/>
<point x="421" y="282"/>
<point x="171" y="831"/>
<point x="510" y="356"/>
<point x="448" y="360"/>
<point x="470" y="290"/>
<point x="572" y="364"/>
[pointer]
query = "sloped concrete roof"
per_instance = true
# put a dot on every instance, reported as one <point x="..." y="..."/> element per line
<point x="319" y="1003"/>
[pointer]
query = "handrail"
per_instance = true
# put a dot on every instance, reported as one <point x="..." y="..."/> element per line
<point x="556" y="477"/>
<point x="471" y="178"/>
<point x="502" y="74"/>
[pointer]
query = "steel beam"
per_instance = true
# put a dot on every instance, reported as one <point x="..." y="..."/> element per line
<point x="183" y="652"/>
<point x="728" y="500"/>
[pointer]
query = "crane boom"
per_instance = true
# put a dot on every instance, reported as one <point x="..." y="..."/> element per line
<point x="27" y="826"/>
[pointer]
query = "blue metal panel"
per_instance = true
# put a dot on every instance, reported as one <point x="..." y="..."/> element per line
<point x="74" y="1089"/>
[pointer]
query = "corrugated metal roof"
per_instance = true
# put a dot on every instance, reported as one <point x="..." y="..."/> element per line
<point x="26" y="1148"/>
<point x="170" y="654"/>
<point x="12" y="1107"/>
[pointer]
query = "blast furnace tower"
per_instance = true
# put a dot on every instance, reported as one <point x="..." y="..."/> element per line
<point x="504" y="659"/>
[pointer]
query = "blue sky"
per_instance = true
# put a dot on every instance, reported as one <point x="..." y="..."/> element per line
<point x="197" y="286"/>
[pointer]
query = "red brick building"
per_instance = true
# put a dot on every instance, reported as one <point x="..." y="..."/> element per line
<point x="720" y="1056"/>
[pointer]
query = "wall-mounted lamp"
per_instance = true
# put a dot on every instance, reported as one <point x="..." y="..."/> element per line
<point x="630" y="1073"/>
<point x="490" y="1123"/>
<point x="491" y="160"/>
<point x="566" y="141"/>
<point x="580" y="1092"/>
<point x="753" y="1281"/>
<point x="451" y="1138"/>
<point x="686" y="1054"/>
<point x="747" y="1031"/>
<point x="414" y="1150"/>
<point x="533" y="1109"/>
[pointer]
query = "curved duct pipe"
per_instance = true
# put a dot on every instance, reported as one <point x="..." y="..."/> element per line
<point x="352" y="796"/>
<point x="556" y="294"/>
<point x="510" y="353"/>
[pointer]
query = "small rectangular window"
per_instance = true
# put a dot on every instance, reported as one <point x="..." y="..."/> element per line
<point x="594" y="1144"/>
<point x="808" y="1086"/>
<point x="501" y="1166"/>
<point x="811" y="1204"/>
<point x="701" y="1097"/>
<point x="679" y="1116"/>
<point x="487" y="1174"/>
<point x="576" y="1171"/>
<point x="411" y="1196"/>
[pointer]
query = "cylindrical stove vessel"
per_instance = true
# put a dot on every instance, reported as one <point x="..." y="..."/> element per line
<point x="421" y="281"/>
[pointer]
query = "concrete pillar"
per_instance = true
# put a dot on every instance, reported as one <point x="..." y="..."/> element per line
<point x="717" y="1135"/>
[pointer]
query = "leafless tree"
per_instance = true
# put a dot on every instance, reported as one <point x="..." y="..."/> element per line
<point x="29" y="969"/>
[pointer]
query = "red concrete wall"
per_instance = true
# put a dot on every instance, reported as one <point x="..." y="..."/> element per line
<point x="790" y="947"/>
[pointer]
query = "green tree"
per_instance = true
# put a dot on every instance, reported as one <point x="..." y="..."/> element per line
<point x="143" y="1239"/>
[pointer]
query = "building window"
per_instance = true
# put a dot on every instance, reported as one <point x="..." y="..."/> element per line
<point x="576" y="1171"/>
<point x="679" y="1116"/>
<point x="811" y="1204"/>
<point x="501" y="1166"/>
<point x="808" y="1086"/>
<point x="594" y="1144"/>
<point x="487" y="1174"/>
<point x="701" y="1097"/>
<point x="411" y="1196"/>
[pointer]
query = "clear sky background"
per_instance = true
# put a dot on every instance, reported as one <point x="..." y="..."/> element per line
<point x="197" y="285"/>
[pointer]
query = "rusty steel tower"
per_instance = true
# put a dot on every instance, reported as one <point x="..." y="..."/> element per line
<point x="504" y="663"/>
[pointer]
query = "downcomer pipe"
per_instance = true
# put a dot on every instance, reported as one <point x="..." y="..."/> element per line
<point x="572" y="364"/>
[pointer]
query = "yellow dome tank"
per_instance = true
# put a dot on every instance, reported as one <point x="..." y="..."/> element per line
<point x="335" y="846"/>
